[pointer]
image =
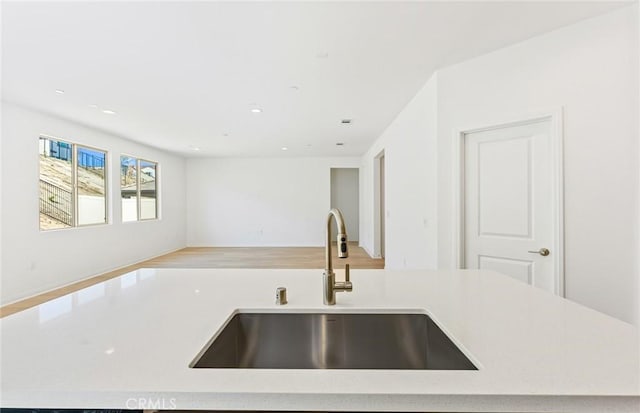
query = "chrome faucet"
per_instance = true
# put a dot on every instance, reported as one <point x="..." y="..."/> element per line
<point x="331" y="287"/>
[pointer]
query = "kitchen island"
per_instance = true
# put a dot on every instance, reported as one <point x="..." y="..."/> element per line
<point x="127" y="343"/>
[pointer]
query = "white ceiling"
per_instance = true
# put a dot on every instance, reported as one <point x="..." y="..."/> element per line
<point x="184" y="74"/>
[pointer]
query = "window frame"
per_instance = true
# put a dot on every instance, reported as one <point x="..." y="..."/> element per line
<point x="74" y="183"/>
<point x="138" y="160"/>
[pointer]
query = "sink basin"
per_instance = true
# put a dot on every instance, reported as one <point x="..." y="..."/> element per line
<point x="332" y="341"/>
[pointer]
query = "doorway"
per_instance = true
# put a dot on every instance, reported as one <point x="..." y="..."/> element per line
<point x="511" y="201"/>
<point x="379" y="196"/>
<point x="345" y="195"/>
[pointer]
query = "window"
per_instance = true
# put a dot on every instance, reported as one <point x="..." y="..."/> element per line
<point x="138" y="189"/>
<point x="73" y="185"/>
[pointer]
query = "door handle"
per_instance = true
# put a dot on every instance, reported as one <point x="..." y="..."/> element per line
<point x="542" y="251"/>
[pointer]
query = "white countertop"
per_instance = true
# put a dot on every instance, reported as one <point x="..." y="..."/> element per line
<point x="128" y="342"/>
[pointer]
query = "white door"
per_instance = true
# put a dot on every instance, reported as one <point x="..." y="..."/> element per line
<point x="508" y="203"/>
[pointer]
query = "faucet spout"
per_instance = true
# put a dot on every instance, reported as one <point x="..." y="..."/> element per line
<point x="330" y="284"/>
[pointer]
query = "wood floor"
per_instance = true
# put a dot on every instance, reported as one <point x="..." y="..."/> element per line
<point x="201" y="257"/>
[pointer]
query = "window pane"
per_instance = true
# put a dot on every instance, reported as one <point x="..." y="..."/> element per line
<point x="148" y="193"/>
<point x="56" y="197"/>
<point x="91" y="186"/>
<point x="128" y="188"/>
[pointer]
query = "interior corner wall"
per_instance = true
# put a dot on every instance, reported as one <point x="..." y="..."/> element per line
<point x="410" y="149"/>
<point x="245" y="202"/>
<point x="638" y="226"/>
<point x="1" y="139"/>
<point x="1" y="189"/>
<point x="590" y="69"/>
<point x="35" y="261"/>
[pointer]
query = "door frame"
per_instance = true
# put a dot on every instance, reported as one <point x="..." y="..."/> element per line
<point x="378" y="214"/>
<point x="555" y="116"/>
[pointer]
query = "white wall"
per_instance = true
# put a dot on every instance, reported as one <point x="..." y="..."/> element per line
<point x="1" y="155"/>
<point x="345" y="195"/>
<point x="590" y="70"/>
<point x="638" y="231"/>
<point x="35" y="261"/>
<point x="259" y="201"/>
<point x="411" y="186"/>
<point x="1" y="186"/>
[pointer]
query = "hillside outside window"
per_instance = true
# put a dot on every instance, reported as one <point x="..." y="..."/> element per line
<point x="73" y="184"/>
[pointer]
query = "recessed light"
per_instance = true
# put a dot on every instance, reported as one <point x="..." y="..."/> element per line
<point x="194" y="148"/>
<point x="109" y="112"/>
<point x="93" y="106"/>
<point x="60" y="91"/>
<point x="284" y="148"/>
<point x="339" y="143"/>
<point x="256" y="110"/>
<point x="110" y="351"/>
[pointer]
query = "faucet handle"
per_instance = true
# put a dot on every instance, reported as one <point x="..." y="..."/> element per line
<point x="346" y="285"/>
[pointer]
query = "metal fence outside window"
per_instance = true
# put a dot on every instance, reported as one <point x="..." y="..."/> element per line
<point x="56" y="202"/>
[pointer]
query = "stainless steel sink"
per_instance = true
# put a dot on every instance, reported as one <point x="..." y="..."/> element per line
<point x="332" y="341"/>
